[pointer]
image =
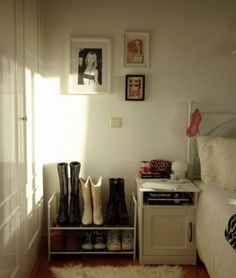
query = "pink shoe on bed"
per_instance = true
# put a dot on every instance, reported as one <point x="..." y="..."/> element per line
<point x="195" y="120"/>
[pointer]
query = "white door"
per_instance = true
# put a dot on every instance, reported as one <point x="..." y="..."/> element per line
<point x="20" y="187"/>
<point x="12" y="161"/>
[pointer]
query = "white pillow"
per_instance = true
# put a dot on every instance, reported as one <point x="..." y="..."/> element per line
<point x="225" y="155"/>
<point x="207" y="158"/>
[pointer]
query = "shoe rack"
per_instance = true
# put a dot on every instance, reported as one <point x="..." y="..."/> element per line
<point x="68" y="239"/>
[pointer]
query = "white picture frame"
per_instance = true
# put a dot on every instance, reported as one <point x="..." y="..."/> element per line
<point x="136" y="49"/>
<point x="90" y="60"/>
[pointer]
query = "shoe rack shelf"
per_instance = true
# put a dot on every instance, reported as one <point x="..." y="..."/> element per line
<point x="63" y="233"/>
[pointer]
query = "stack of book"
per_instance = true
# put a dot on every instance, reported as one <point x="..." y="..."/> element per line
<point x="150" y="175"/>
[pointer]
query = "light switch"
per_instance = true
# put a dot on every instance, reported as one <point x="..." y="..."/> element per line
<point x="115" y="122"/>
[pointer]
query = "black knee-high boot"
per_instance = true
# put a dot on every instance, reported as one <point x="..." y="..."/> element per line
<point x="74" y="214"/>
<point x="112" y="206"/>
<point x="123" y="218"/>
<point x="62" y="216"/>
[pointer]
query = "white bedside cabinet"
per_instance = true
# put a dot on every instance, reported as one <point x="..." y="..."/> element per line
<point x="166" y="221"/>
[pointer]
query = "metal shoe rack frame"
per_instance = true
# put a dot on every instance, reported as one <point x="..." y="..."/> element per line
<point x="52" y="212"/>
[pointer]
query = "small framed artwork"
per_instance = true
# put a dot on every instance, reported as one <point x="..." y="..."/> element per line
<point x="135" y="87"/>
<point x="136" y="49"/>
<point x="89" y="66"/>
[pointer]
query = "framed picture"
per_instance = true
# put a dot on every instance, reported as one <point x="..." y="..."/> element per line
<point x="89" y="66"/>
<point x="136" y="52"/>
<point x="134" y="87"/>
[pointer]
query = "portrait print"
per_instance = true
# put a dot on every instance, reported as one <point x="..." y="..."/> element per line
<point x="135" y="87"/>
<point x="90" y="66"/>
<point x="136" y="49"/>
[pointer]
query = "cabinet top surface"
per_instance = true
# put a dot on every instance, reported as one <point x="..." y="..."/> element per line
<point x="165" y="185"/>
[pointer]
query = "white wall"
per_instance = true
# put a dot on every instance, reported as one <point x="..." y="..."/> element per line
<point x="190" y="59"/>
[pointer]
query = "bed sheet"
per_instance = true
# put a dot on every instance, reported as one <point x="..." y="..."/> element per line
<point x="214" y="209"/>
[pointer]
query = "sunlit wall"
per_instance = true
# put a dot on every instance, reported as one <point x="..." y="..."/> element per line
<point x="190" y="59"/>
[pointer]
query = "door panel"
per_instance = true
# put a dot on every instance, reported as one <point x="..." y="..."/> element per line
<point x="168" y="230"/>
<point x="20" y="210"/>
<point x="10" y="210"/>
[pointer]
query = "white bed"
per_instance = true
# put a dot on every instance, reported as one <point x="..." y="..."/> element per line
<point x="213" y="212"/>
<point x="217" y="199"/>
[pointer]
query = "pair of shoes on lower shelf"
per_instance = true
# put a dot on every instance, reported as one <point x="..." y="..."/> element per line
<point x="93" y="240"/>
<point x="119" y="240"/>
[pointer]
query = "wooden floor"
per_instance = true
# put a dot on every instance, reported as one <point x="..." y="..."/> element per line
<point x="42" y="267"/>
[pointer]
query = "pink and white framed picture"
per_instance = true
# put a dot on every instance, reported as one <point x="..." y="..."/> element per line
<point x="136" y="49"/>
<point x="134" y="87"/>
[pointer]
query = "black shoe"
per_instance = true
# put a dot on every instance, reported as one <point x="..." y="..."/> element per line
<point x="99" y="240"/>
<point x="62" y="214"/>
<point x="74" y="208"/>
<point x="123" y="218"/>
<point x="112" y="206"/>
<point x="87" y="240"/>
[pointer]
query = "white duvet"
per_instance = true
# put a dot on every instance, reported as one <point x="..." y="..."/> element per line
<point x="215" y="207"/>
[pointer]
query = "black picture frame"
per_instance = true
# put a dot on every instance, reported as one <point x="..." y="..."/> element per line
<point x="134" y="87"/>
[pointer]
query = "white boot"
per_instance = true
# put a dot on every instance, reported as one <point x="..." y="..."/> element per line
<point x="97" y="201"/>
<point x="87" y="217"/>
